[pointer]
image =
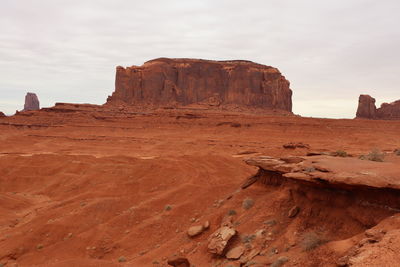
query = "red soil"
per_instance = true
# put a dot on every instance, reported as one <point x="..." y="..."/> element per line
<point x="84" y="185"/>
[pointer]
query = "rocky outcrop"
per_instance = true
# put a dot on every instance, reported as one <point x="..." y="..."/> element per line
<point x="166" y="81"/>
<point x="31" y="102"/>
<point x="366" y="107"/>
<point x="2" y="114"/>
<point x="327" y="171"/>
<point x="387" y="111"/>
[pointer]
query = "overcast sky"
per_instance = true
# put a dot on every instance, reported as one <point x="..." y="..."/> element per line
<point x="330" y="51"/>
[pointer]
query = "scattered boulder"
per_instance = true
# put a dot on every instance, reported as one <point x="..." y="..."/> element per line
<point x="31" y="102"/>
<point x="293" y="212"/>
<point x="195" y="230"/>
<point x="198" y="229"/>
<point x="178" y="261"/>
<point x="235" y="253"/>
<point x="220" y="239"/>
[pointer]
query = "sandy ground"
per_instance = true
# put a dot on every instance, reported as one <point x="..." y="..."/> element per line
<point x="87" y="186"/>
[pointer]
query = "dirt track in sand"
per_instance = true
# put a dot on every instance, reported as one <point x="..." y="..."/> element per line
<point x="87" y="186"/>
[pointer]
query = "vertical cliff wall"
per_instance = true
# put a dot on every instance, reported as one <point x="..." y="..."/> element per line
<point x="367" y="109"/>
<point x="185" y="81"/>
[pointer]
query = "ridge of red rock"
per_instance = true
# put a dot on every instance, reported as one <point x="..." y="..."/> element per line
<point x="182" y="82"/>
<point x="367" y="109"/>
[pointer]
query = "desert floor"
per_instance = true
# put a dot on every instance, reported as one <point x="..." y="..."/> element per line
<point x="84" y="185"/>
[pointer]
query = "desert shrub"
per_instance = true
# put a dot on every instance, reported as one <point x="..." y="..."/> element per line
<point x="341" y="153"/>
<point x="248" y="238"/>
<point x="122" y="259"/>
<point x="271" y="222"/>
<point x="168" y="207"/>
<point x="232" y="212"/>
<point x="374" y="155"/>
<point x="247" y="203"/>
<point x="311" y="240"/>
<point x="280" y="261"/>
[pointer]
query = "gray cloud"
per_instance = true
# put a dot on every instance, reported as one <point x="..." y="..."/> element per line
<point x="331" y="51"/>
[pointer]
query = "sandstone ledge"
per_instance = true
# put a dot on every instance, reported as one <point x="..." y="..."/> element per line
<point x="328" y="170"/>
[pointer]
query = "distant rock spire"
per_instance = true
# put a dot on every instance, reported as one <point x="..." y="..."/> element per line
<point x="31" y="102"/>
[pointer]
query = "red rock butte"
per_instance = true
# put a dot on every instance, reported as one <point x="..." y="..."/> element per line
<point x="367" y="109"/>
<point x="181" y="82"/>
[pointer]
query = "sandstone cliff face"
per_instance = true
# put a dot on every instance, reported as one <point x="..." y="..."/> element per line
<point x="387" y="111"/>
<point x="366" y="107"/>
<point x="31" y="102"/>
<point x="186" y="81"/>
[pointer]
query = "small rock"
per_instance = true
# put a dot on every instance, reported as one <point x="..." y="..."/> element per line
<point x="293" y="212"/>
<point x="233" y="264"/>
<point x="279" y="262"/>
<point x="235" y="253"/>
<point x="254" y="252"/>
<point x="195" y="230"/>
<point x="178" y="262"/>
<point x="260" y="233"/>
<point x="219" y="239"/>
<point x="206" y="224"/>
<point x="122" y="259"/>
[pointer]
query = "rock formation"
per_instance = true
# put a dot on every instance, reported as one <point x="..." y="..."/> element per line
<point x="387" y="111"/>
<point x="31" y="102"/>
<point x="2" y="114"/>
<point x="366" y="107"/>
<point x="166" y="81"/>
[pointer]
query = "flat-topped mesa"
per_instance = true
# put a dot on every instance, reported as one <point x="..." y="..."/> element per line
<point x="367" y="109"/>
<point x="31" y="102"/>
<point x="183" y="82"/>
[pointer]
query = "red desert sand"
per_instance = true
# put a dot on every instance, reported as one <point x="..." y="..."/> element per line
<point x="194" y="185"/>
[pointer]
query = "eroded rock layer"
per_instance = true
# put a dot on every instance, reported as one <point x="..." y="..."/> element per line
<point x="367" y="109"/>
<point x="166" y="81"/>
